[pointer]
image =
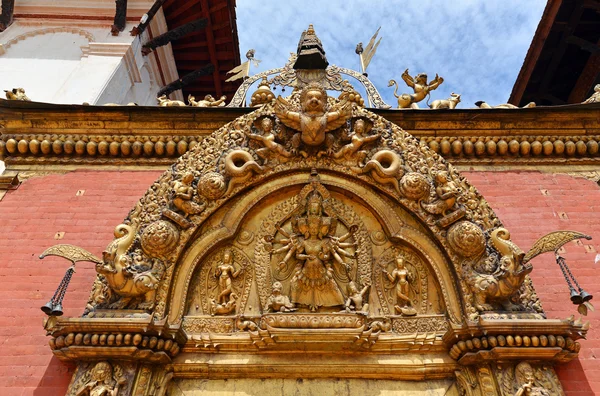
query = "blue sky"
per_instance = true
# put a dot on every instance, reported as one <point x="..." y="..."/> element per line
<point x="477" y="46"/>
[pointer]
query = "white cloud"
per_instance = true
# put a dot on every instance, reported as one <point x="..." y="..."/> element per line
<point x="477" y="46"/>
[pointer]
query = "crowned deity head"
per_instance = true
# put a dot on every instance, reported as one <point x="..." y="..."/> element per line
<point x="227" y="256"/>
<point x="315" y="204"/>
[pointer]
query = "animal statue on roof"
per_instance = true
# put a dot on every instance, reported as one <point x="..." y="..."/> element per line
<point x="420" y="86"/>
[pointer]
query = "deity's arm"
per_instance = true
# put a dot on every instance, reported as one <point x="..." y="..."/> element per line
<point x="344" y="252"/>
<point x="255" y="136"/>
<point x="237" y="273"/>
<point x="370" y="138"/>
<point x="282" y="249"/>
<point x="391" y="277"/>
<point x="218" y="271"/>
<point x="187" y="195"/>
<point x="346" y="245"/>
<point x="364" y="291"/>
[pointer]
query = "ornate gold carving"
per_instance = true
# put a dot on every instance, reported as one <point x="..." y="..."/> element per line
<point x="212" y="185"/>
<point x="17" y="94"/>
<point x="159" y="238"/>
<point x="102" y="380"/>
<point x="308" y="321"/>
<point x="466" y="239"/>
<point x="385" y="167"/>
<point x="278" y="302"/>
<point x="208" y="325"/>
<point x="595" y="98"/>
<point x="164" y="101"/>
<point x="208" y="101"/>
<point x="415" y="186"/>
<point x="267" y="138"/>
<point x="357" y="299"/>
<point x="71" y="253"/>
<point x="358" y="137"/>
<point x="402" y="285"/>
<point x="449" y="103"/>
<point x="263" y="94"/>
<point x="225" y="273"/>
<point x="427" y="324"/>
<point x="552" y="242"/>
<point x="483" y="105"/>
<point x="183" y="196"/>
<point x="314" y="119"/>
<point x="240" y="166"/>
<point x="224" y="282"/>
<point x="420" y="87"/>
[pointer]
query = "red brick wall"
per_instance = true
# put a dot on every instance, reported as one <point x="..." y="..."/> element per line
<point x="41" y="207"/>
<point x="29" y="218"/>
<point x="527" y="213"/>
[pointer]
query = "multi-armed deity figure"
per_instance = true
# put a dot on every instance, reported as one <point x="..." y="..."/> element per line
<point x="420" y="87"/>
<point x="400" y="276"/>
<point x="317" y="251"/>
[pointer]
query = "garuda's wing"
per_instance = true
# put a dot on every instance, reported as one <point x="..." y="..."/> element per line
<point x="552" y="242"/>
<point x="345" y="111"/>
<point x="282" y="108"/>
<point x="71" y="253"/>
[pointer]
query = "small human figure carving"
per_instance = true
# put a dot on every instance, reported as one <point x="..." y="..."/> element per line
<point x="595" y="98"/>
<point x="278" y="302"/>
<point x="400" y="276"/>
<point x="420" y="87"/>
<point x="183" y="192"/>
<point x="356" y="299"/>
<point x="225" y="273"/>
<point x="17" y="94"/>
<point x="484" y="105"/>
<point x="357" y="140"/>
<point x="525" y="378"/>
<point x="102" y="382"/>
<point x="268" y="140"/>
<point x="314" y="119"/>
<point x="163" y="101"/>
<point x="209" y="101"/>
<point x="446" y="192"/>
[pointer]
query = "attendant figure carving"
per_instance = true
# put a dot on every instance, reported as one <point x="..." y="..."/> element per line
<point x="358" y="138"/>
<point x="446" y="191"/>
<point x="268" y="140"/>
<point x="279" y="302"/>
<point x="102" y="382"/>
<point x="225" y="273"/>
<point x="356" y="301"/>
<point x="183" y="192"/>
<point x="401" y="277"/>
<point x="526" y="381"/>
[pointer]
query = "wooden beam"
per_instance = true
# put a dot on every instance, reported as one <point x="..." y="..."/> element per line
<point x="584" y="44"/>
<point x="590" y="74"/>
<point x="558" y="53"/>
<point x="533" y="54"/>
<point x="210" y="37"/>
<point x="120" y="17"/>
<point x="139" y="29"/>
<point x="6" y="17"/>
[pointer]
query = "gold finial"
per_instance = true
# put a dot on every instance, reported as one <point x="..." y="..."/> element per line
<point x="311" y="29"/>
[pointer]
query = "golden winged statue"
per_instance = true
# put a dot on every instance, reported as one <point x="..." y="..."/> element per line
<point x="314" y="119"/>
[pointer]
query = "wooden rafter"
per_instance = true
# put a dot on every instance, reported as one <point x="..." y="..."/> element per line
<point x="6" y="17"/>
<point x="120" y="17"/>
<point x="210" y="38"/>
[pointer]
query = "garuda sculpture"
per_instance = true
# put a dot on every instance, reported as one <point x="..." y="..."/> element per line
<point x="420" y="87"/>
<point x="313" y="121"/>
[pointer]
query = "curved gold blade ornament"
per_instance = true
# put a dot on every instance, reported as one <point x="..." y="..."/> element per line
<point x="552" y="242"/>
<point x="71" y="253"/>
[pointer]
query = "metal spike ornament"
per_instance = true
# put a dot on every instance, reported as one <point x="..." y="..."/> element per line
<point x="579" y="297"/>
